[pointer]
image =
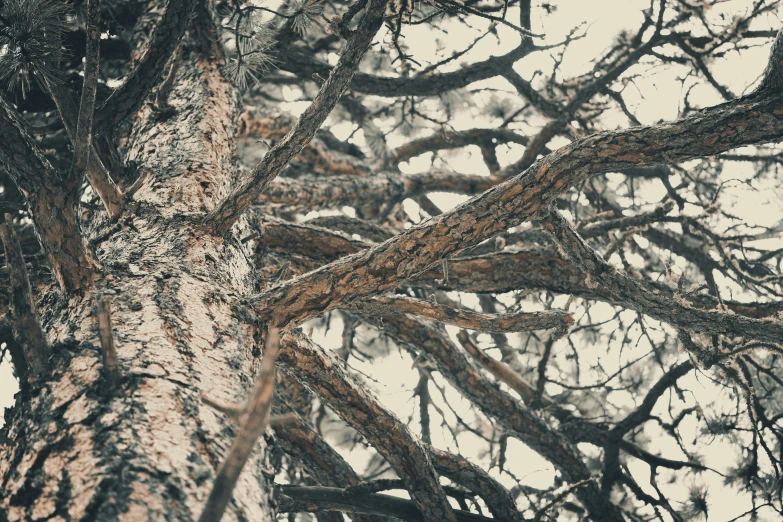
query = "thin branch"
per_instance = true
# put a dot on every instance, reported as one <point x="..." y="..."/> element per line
<point x="253" y="423"/>
<point x="226" y="213"/>
<point x="500" y="323"/>
<point x="27" y="327"/>
<point x="305" y="66"/>
<point x="642" y="412"/>
<point x="500" y="370"/>
<point x="642" y="299"/>
<point x="234" y="411"/>
<point x="301" y="442"/>
<point x="309" y="364"/>
<point x="452" y="139"/>
<point x="292" y="499"/>
<point x="328" y="467"/>
<point x="519" y="421"/>
<point x="11" y="206"/>
<point x="82" y="142"/>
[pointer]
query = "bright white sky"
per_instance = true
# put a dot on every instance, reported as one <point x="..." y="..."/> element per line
<point x="656" y="95"/>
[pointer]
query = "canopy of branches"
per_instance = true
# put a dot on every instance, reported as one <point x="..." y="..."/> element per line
<point x="521" y="260"/>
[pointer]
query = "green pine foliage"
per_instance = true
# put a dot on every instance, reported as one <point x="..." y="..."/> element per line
<point x="31" y="47"/>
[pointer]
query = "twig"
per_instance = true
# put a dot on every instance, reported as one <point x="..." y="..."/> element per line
<point x="8" y="206"/>
<point x="283" y="420"/>
<point x="559" y="498"/>
<point x="253" y="423"/>
<point x="232" y="410"/>
<point x="109" y="351"/>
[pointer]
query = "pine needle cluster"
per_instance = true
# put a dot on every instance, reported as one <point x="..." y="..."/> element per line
<point x="31" y="41"/>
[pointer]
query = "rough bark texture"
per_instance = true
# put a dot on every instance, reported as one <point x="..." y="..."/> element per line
<point x="380" y="268"/>
<point x="147" y="448"/>
<point x="139" y="410"/>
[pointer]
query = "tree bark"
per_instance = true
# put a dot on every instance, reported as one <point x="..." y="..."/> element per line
<point x="146" y="448"/>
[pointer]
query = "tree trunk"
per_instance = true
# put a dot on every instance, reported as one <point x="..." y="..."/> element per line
<point x="147" y="447"/>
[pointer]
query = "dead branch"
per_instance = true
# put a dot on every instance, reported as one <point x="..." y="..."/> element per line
<point x="253" y="423"/>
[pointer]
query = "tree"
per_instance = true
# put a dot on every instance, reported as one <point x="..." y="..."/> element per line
<point x="172" y="235"/>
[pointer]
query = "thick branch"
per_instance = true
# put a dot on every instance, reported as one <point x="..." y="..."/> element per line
<point x="229" y="210"/>
<point x="307" y="240"/>
<point x="53" y="212"/>
<point x="746" y="121"/>
<point x="127" y="99"/>
<point x="642" y="299"/>
<point x="292" y="499"/>
<point x="463" y="472"/>
<point x="501" y="323"/>
<point x="309" y="364"/>
<point x="253" y="423"/>
<point x="541" y="268"/>
<point x="27" y="328"/>
<point x="328" y="467"/>
<point x="380" y="191"/>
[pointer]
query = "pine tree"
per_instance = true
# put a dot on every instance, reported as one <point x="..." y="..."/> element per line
<point x="224" y="225"/>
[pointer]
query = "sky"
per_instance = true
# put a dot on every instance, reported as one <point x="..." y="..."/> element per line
<point x="654" y="95"/>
